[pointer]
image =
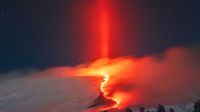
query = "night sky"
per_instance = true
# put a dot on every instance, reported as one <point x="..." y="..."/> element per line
<point x="47" y="33"/>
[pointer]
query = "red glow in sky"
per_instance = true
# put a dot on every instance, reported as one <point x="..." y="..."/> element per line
<point x="104" y="27"/>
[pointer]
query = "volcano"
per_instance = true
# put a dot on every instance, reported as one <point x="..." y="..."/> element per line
<point x="101" y="100"/>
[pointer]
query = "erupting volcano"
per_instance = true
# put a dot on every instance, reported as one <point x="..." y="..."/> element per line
<point x="100" y="16"/>
<point x="104" y="98"/>
<point x="99" y="56"/>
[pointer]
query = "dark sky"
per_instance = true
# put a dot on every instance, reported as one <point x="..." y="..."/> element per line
<point x="47" y="33"/>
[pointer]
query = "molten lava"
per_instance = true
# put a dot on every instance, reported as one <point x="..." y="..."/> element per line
<point x="103" y="84"/>
<point x="105" y="93"/>
<point x="103" y="99"/>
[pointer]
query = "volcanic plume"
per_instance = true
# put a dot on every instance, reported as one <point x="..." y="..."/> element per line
<point x="148" y="80"/>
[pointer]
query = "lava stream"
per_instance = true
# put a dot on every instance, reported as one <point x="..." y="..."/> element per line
<point x="105" y="94"/>
<point x="103" y="99"/>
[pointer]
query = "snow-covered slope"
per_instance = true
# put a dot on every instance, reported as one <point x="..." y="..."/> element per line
<point x="45" y="94"/>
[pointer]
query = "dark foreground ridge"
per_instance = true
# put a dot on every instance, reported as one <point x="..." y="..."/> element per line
<point x="159" y="108"/>
<point x="101" y="101"/>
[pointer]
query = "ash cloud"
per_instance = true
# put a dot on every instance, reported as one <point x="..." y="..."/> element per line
<point x="169" y="77"/>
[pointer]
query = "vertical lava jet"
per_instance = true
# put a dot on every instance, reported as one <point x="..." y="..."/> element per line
<point x="104" y="30"/>
<point x="104" y="27"/>
<point x="96" y="17"/>
<point x="104" y="35"/>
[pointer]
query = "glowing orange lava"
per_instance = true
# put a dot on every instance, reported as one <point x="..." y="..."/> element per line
<point x="105" y="93"/>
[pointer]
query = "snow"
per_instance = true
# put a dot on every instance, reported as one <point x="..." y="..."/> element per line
<point x="45" y="94"/>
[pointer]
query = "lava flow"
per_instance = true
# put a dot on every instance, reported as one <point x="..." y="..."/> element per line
<point x="103" y="85"/>
<point x="103" y="99"/>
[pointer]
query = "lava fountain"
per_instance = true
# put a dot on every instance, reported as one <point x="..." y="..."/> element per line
<point x="104" y="27"/>
<point x="101" y="19"/>
<point x="103" y="98"/>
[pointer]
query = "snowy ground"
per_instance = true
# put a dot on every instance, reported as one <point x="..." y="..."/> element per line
<point x="54" y="94"/>
<point x="45" y="94"/>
